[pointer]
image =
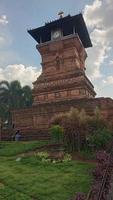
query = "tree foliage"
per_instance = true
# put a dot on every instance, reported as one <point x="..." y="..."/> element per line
<point x="13" y="96"/>
<point x="100" y="138"/>
<point x="57" y="134"/>
<point x="74" y="125"/>
<point x="81" y="130"/>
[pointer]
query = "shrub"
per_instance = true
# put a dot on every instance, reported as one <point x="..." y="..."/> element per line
<point x="104" y="161"/>
<point x="80" y="130"/>
<point x="100" y="138"/>
<point x="57" y="133"/>
<point x="74" y="128"/>
<point x="102" y="157"/>
<point x="67" y="157"/>
<point x="79" y="196"/>
<point x="97" y="122"/>
<point x="43" y="155"/>
<point x="58" y="119"/>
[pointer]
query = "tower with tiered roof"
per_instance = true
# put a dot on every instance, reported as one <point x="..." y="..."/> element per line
<point x="62" y="44"/>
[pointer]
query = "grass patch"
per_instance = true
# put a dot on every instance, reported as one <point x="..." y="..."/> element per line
<point x="14" y="148"/>
<point x="31" y="179"/>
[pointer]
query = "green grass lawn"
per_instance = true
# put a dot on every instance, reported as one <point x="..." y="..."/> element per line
<point x="14" y="148"/>
<point x="32" y="179"/>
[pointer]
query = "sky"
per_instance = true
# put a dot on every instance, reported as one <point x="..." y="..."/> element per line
<point x="19" y="59"/>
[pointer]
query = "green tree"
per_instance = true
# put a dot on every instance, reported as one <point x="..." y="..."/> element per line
<point x="57" y="133"/>
<point x="10" y="93"/>
<point x="100" y="138"/>
<point x="97" y="122"/>
<point x="26" y="96"/>
<point x="13" y="96"/>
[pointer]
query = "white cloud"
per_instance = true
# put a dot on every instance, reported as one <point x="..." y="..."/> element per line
<point x="3" y="20"/>
<point x="26" y="75"/>
<point x="90" y="11"/>
<point x="111" y="62"/>
<point x="108" y="80"/>
<point x="105" y="87"/>
<point x="98" y="17"/>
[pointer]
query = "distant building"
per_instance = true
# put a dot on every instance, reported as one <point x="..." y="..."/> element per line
<point x="63" y="83"/>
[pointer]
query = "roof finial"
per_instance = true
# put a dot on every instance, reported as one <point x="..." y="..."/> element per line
<point x="61" y="14"/>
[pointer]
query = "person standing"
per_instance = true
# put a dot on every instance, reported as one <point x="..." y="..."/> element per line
<point x="17" y="136"/>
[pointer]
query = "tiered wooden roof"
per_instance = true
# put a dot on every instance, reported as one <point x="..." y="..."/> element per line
<point x="66" y="24"/>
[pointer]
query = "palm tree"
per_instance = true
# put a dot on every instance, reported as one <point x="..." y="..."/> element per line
<point x="27" y="96"/>
<point x="10" y="93"/>
<point x="13" y="96"/>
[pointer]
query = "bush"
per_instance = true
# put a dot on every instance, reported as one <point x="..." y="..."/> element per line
<point x="79" y="196"/>
<point x="43" y="155"/>
<point x="100" y="138"/>
<point x="104" y="162"/>
<point x="97" y="122"/>
<point x="75" y="127"/>
<point x="80" y="129"/>
<point x="57" y="134"/>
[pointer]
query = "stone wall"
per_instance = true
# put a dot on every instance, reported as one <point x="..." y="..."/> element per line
<point x="38" y="117"/>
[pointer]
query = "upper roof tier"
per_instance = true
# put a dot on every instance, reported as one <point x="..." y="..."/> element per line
<point x="68" y="25"/>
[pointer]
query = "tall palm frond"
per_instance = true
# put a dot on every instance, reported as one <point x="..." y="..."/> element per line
<point x="14" y="96"/>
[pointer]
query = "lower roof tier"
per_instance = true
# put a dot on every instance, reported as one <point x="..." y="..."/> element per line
<point x="73" y="88"/>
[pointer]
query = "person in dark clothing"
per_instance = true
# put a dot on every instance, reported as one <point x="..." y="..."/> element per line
<point x="17" y="136"/>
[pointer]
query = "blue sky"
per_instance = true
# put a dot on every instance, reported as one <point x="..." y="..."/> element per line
<point x="19" y="58"/>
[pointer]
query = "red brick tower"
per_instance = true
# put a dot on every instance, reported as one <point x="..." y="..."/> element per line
<point x="62" y="46"/>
